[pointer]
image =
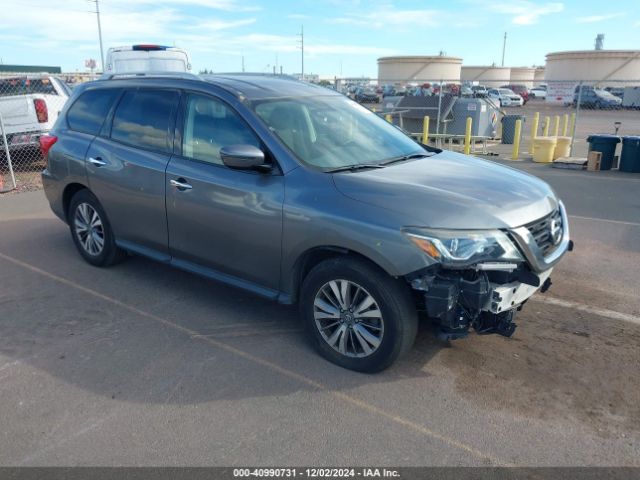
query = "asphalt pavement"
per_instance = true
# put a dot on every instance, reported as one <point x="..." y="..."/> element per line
<point x="141" y="364"/>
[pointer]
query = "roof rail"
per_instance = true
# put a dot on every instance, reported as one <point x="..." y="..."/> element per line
<point x="184" y="75"/>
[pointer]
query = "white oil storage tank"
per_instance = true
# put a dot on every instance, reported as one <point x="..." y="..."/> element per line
<point x="490" y="76"/>
<point x="602" y="67"/>
<point x="523" y="76"/>
<point x="419" y="68"/>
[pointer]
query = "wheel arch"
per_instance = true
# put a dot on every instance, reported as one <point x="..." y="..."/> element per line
<point x="307" y="260"/>
<point x="69" y="191"/>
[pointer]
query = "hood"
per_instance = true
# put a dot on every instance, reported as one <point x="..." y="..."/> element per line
<point x="451" y="190"/>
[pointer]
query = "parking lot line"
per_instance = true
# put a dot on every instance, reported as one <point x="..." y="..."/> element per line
<point x="601" y="312"/>
<point x="354" y="401"/>
<point x="619" y="222"/>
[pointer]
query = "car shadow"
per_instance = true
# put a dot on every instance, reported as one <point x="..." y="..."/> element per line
<point x="145" y="332"/>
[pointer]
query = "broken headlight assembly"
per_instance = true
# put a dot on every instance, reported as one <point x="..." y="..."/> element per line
<point x="464" y="248"/>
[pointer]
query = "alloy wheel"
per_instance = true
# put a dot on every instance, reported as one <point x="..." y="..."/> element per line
<point x="348" y="318"/>
<point x="89" y="229"/>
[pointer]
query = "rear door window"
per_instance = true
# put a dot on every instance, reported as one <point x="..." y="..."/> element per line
<point x="145" y="118"/>
<point x="88" y="113"/>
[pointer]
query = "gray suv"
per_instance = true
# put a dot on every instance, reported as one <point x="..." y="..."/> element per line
<point x="299" y="194"/>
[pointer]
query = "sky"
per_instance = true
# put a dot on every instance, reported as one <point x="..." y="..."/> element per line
<point x="342" y="37"/>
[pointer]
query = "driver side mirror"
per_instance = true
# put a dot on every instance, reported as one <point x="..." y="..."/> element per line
<point x="244" y="157"/>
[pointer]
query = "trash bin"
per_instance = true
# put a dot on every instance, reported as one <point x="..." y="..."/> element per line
<point x="509" y="128"/>
<point x="630" y="156"/>
<point x="563" y="147"/>
<point x="543" y="149"/>
<point x="605" y="144"/>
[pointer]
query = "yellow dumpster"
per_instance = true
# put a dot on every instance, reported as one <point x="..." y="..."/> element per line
<point x="563" y="147"/>
<point x="543" y="149"/>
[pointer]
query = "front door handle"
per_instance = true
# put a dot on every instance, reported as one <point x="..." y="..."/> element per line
<point x="181" y="184"/>
<point x="98" y="162"/>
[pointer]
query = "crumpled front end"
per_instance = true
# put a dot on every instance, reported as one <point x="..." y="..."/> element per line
<point x="486" y="295"/>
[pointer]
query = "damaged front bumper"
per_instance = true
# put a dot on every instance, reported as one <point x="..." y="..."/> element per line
<point x="487" y="295"/>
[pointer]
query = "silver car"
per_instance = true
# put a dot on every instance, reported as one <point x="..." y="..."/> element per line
<point x="301" y="195"/>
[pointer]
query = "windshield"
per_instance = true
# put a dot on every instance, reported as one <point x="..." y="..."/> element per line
<point x="329" y="132"/>
<point x="605" y="94"/>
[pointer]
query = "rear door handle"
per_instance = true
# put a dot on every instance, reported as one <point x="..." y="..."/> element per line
<point x="181" y="184"/>
<point x="98" y="162"/>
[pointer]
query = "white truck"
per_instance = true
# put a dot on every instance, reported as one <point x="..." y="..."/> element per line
<point x="146" y="58"/>
<point x="29" y="105"/>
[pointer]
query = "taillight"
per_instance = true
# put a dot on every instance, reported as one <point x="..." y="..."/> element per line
<point x="46" y="142"/>
<point x="41" y="110"/>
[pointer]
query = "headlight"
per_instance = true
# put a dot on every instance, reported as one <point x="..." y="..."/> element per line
<point x="461" y="248"/>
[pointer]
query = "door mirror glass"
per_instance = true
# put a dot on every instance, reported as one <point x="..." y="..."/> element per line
<point x="242" y="157"/>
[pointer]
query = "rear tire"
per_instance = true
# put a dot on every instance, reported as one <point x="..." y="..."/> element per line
<point x="356" y="315"/>
<point x="91" y="231"/>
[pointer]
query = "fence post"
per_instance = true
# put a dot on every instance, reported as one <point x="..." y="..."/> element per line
<point x="534" y="131"/>
<point x="545" y="129"/>
<point x="439" y="108"/>
<point x="556" y="125"/>
<point x="425" y="130"/>
<point x="565" y="124"/>
<point x="574" y="118"/>
<point x="6" y="151"/>
<point x="467" y="137"/>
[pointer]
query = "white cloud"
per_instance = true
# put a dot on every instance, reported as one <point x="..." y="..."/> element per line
<point x="388" y="16"/>
<point x="598" y="18"/>
<point x="217" y="25"/>
<point x="525" y="12"/>
<point x="297" y="16"/>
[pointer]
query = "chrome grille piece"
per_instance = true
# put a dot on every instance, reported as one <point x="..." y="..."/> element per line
<point x="543" y="232"/>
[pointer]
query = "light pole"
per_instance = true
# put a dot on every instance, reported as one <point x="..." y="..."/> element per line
<point x="99" y="32"/>
<point x="302" y="51"/>
<point x="504" y="46"/>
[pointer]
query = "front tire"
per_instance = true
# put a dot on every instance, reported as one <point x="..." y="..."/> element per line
<point x="91" y="231"/>
<point x="356" y="315"/>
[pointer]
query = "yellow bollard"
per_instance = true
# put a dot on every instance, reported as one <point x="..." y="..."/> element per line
<point x="467" y="137"/>
<point x="572" y="125"/>
<point x="388" y="118"/>
<point x="534" y="131"/>
<point x="556" y="125"/>
<point x="516" y="140"/>
<point x="373" y="109"/>
<point x="545" y="129"/>
<point x="425" y="130"/>
<point x="565" y="124"/>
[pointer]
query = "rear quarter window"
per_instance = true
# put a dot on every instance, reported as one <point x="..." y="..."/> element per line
<point x="87" y="114"/>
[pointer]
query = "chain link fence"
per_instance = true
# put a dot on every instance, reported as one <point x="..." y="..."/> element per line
<point x="573" y="109"/>
<point x="29" y="106"/>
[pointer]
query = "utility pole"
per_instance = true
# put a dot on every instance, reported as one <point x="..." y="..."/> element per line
<point x="242" y="63"/>
<point x="99" y="33"/>
<point x="302" y="51"/>
<point x="504" y="47"/>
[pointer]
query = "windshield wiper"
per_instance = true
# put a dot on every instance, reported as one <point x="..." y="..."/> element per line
<point x="407" y="157"/>
<point x="352" y="168"/>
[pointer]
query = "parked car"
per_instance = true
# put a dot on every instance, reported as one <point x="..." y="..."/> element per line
<point x="466" y="91"/>
<point x="596" y="98"/>
<point x="29" y="106"/>
<point x="147" y="58"/>
<point x="617" y="91"/>
<point x="538" y="92"/>
<point x="521" y="90"/>
<point x="284" y="189"/>
<point x="506" y="97"/>
<point x="365" y="95"/>
<point x="480" y="91"/>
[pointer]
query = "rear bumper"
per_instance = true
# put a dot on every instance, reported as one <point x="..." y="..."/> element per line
<point x="53" y="192"/>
